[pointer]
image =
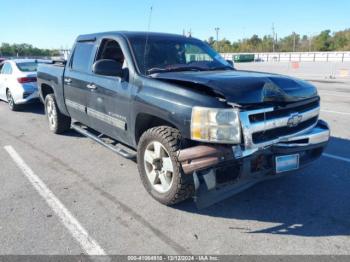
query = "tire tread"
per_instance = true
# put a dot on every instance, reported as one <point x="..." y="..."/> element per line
<point x="171" y="136"/>
<point x="63" y="122"/>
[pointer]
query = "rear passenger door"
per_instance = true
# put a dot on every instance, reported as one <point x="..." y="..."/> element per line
<point x="108" y="105"/>
<point x="76" y="79"/>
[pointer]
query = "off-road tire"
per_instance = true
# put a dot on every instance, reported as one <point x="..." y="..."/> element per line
<point x="59" y="123"/>
<point x="182" y="186"/>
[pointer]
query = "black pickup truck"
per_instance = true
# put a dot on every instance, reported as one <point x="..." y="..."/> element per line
<point x="196" y="125"/>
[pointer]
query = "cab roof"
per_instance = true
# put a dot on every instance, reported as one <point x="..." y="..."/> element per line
<point x="126" y="34"/>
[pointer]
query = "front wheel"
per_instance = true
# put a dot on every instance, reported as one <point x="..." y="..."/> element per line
<point x="159" y="168"/>
<point x="58" y="122"/>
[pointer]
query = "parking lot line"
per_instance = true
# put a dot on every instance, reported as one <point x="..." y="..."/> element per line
<point x="335" y="112"/>
<point x="89" y="245"/>
<point x="337" y="157"/>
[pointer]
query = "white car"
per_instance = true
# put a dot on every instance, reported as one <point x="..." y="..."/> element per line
<point x="18" y="81"/>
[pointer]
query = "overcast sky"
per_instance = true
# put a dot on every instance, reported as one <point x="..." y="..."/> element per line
<point x="56" y="23"/>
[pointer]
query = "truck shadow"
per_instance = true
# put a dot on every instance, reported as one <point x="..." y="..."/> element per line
<point x="36" y="108"/>
<point x="313" y="202"/>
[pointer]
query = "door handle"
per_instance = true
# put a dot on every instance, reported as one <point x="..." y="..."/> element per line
<point x="91" y="86"/>
<point x="68" y="80"/>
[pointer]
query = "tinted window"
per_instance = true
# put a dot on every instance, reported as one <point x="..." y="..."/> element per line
<point x="6" y="69"/>
<point x="81" y="56"/>
<point x="110" y="49"/>
<point x="27" y="66"/>
<point x="9" y="70"/>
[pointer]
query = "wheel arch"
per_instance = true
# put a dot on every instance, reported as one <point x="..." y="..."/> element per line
<point x="45" y="89"/>
<point x="145" y="121"/>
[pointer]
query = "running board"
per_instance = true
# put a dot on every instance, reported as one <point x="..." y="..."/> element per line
<point x="111" y="144"/>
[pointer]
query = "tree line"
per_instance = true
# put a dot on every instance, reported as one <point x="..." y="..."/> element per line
<point x="14" y="50"/>
<point x="324" y="41"/>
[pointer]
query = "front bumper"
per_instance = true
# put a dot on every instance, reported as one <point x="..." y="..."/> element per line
<point x="220" y="171"/>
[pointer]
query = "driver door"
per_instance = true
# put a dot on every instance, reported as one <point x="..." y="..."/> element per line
<point x="108" y="103"/>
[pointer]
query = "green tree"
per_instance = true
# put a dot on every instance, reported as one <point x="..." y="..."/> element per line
<point x="25" y="50"/>
<point x="323" y="41"/>
<point x="289" y="43"/>
<point x="341" y="40"/>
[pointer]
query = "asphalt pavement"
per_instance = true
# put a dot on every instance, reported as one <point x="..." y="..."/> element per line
<point x="65" y="194"/>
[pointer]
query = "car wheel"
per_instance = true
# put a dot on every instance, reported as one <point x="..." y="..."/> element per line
<point x="12" y="105"/>
<point x="58" y="122"/>
<point x="159" y="168"/>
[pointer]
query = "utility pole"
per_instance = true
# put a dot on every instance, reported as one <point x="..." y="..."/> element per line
<point x="273" y="37"/>
<point x="294" y="41"/>
<point x="310" y="39"/>
<point x="276" y="38"/>
<point x="217" y="29"/>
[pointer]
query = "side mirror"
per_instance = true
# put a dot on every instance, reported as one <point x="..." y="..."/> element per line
<point x="107" y="67"/>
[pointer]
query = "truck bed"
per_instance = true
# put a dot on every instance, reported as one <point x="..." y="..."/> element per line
<point x="52" y="75"/>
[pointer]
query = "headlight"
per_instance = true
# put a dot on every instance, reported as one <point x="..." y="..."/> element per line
<point x="215" y="125"/>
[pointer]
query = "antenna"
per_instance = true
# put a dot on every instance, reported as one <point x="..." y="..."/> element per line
<point x="190" y="33"/>
<point x="273" y="37"/>
<point x="147" y="37"/>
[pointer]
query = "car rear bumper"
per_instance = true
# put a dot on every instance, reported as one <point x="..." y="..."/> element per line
<point x="27" y="97"/>
<point x="229" y="170"/>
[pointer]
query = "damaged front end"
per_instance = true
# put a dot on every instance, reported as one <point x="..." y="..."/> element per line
<point x="222" y="170"/>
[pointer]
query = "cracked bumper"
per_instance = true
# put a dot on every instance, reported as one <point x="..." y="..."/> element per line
<point x="230" y="170"/>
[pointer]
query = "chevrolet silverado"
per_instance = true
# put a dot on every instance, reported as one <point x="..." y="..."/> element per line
<point x="195" y="124"/>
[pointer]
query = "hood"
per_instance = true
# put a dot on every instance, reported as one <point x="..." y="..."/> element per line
<point x="243" y="87"/>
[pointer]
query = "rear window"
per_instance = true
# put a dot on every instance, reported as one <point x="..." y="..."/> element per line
<point x="27" y="66"/>
<point x="81" y="56"/>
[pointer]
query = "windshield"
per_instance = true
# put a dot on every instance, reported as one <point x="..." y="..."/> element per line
<point x="27" y="66"/>
<point x="175" y="54"/>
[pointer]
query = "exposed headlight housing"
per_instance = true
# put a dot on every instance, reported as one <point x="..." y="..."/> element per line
<point x="216" y="125"/>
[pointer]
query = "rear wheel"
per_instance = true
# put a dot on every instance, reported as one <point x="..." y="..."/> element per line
<point x="12" y="105"/>
<point x="159" y="168"/>
<point x="58" y="122"/>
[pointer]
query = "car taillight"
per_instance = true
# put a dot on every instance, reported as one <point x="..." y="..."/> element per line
<point x="23" y="80"/>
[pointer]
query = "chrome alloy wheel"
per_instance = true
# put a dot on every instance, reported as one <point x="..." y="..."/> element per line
<point x="159" y="167"/>
<point x="51" y="112"/>
<point x="10" y="99"/>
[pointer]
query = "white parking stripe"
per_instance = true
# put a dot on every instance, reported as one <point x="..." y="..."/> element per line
<point x="89" y="245"/>
<point x="337" y="157"/>
<point x="335" y="112"/>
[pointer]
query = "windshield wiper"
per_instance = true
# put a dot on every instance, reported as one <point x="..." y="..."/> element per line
<point x="174" y="69"/>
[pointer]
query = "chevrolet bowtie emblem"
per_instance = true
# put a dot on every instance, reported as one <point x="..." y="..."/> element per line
<point x="294" y="119"/>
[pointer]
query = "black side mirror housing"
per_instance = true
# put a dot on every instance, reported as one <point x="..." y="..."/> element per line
<point x="108" y="67"/>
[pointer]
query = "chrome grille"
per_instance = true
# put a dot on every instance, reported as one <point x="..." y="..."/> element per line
<point x="266" y="126"/>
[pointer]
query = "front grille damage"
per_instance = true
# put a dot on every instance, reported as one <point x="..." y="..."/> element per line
<point x="266" y="126"/>
<point x="265" y="136"/>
